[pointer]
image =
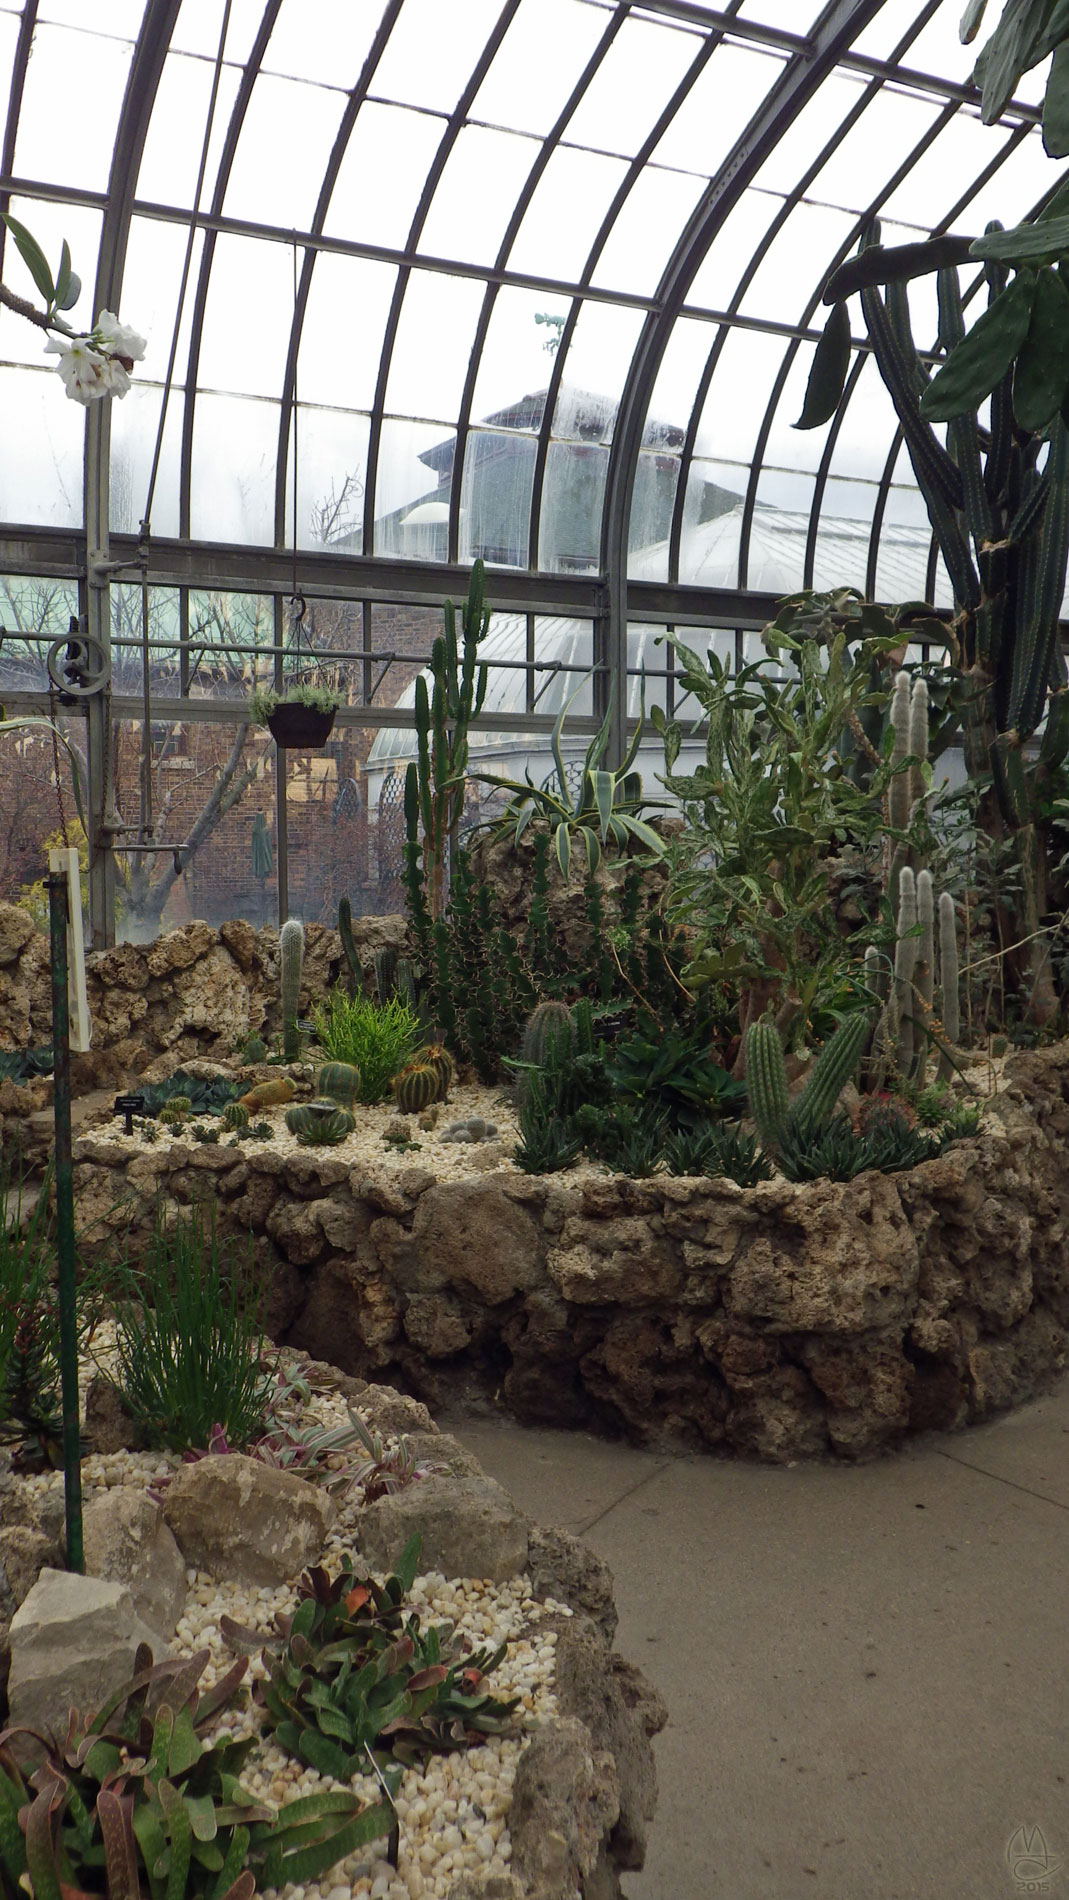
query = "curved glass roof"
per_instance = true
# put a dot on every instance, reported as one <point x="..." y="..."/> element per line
<point x="534" y="280"/>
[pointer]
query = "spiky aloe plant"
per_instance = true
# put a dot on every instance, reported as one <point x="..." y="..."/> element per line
<point x="1001" y="523"/>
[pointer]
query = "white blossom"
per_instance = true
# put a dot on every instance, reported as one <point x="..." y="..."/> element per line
<point x="85" y="372"/>
<point x="114" y="376"/>
<point x="117" y="339"/>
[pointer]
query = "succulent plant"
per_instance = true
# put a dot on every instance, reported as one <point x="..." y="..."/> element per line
<point x="137" y="1800"/>
<point x="436" y="1056"/>
<point x="172" y="1116"/>
<point x="281" y="1088"/>
<point x="416" y="1087"/>
<point x="352" y="1684"/>
<point x="319" y="1123"/>
<point x="814" y="1108"/>
<point x="549" y="1024"/>
<point x="341" y="1081"/>
<point x="235" y="1115"/>
<point x="255" y="1049"/>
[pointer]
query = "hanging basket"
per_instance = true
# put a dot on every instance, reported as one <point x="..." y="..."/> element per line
<point x="294" y="724"/>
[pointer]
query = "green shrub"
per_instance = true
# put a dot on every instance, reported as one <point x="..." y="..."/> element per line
<point x="376" y="1038"/>
<point x="189" y="1337"/>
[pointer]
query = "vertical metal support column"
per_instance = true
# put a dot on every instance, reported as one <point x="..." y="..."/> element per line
<point x="68" y="1317"/>
<point x="102" y="878"/>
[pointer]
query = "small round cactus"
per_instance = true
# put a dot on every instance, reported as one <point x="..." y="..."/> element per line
<point x="437" y="1057"/>
<point x="235" y="1115"/>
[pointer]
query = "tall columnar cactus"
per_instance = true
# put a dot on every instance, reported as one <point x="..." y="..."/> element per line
<point x="949" y="1008"/>
<point x="442" y="716"/>
<point x="924" y="969"/>
<point x="291" y="961"/>
<point x="813" y="1109"/>
<point x="1000" y="521"/>
<point x="902" y="1005"/>
<point x="909" y="728"/>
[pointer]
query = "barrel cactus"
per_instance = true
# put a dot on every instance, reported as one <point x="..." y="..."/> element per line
<point x="319" y="1122"/>
<point x="341" y="1081"/>
<point x="437" y="1057"/>
<point x="235" y="1115"/>
<point x="416" y="1088"/>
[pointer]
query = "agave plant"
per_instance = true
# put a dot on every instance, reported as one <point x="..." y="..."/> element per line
<point x="605" y="806"/>
<point x="353" y="1685"/>
<point x="138" y="1803"/>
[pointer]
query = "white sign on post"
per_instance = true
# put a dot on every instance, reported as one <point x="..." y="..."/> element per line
<point x="65" y="860"/>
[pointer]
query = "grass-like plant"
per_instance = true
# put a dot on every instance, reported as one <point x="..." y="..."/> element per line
<point x="189" y="1338"/>
<point x="377" y="1038"/>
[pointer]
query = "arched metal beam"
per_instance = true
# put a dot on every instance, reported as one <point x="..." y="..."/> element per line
<point x="141" y="87"/>
<point x="832" y="34"/>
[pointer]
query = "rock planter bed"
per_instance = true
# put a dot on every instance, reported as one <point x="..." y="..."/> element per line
<point x="551" y="1810"/>
<point x="784" y="1321"/>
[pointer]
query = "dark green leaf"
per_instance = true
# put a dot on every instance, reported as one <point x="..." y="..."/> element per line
<point x="32" y="256"/>
<point x="1040" y="243"/>
<point x="827" y="378"/>
<point x="977" y="364"/>
<point x="1041" y="372"/>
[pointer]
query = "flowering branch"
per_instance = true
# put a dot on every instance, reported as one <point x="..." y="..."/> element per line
<point x="93" y="363"/>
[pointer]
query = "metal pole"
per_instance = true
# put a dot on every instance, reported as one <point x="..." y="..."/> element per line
<point x="68" y="1318"/>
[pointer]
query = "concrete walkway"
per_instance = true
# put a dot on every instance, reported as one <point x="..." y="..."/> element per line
<point x="867" y="1668"/>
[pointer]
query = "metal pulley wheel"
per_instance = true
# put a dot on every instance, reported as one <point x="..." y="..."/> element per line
<point x="78" y="666"/>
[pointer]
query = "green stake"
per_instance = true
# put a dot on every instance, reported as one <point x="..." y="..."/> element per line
<point x="68" y="1323"/>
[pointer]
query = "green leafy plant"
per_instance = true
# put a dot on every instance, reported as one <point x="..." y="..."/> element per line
<point x="546" y="1143"/>
<point x="375" y="1038"/>
<point x="629" y="1138"/>
<point x="671" y="1069"/>
<point x="21" y="1065"/>
<point x="189" y="1337"/>
<point x="604" y="809"/>
<point x="137" y="1802"/>
<point x="266" y="699"/>
<point x="355" y="1683"/>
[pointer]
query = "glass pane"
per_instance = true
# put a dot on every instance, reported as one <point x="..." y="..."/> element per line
<point x="332" y="445"/>
<point x="564" y="215"/>
<point x="230" y="642"/>
<point x="646" y="230"/>
<point x="331" y="369"/>
<point x="328" y="45"/>
<point x="123" y="16"/>
<point x="285" y="141"/>
<point x="648" y="660"/>
<point x="734" y="407"/>
<point x="217" y="880"/>
<point x="517" y="354"/>
<point x="412" y="458"/>
<point x="40" y="450"/>
<point x="127" y="639"/>
<point x="58" y="145"/>
<point x="134" y="426"/>
<point x="538" y="64"/>
<point x="33" y="613"/>
<point x="432" y="50"/>
<point x="718" y="108"/>
<point x="171" y="158"/>
<point x="565" y="650"/>
<point x="709" y="546"/>
<point x="152" y="279"/>
<point x="717" y="278"/>
<point x="386" y="142"/>
<point x="231" y="358"/>
<point x="433" y="345"/>
<point x="495" y="504"/>
<point x="631" y="87"/>
<point x="476" y="195"/>
<point x="791" y="16"/>
<point x="857" y="169"/>
<point x="797" y="263"/>
<point x="232" y="482"/>
<point x="572" y="500"/>
<point x="598" y="361"/>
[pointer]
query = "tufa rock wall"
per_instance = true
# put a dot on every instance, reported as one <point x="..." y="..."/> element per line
<point x="782" y="1321"/>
